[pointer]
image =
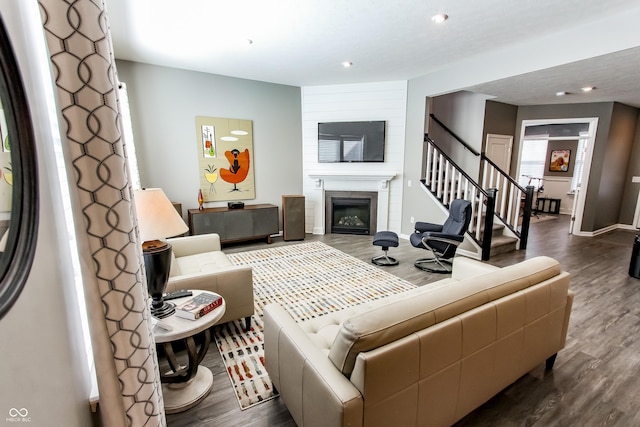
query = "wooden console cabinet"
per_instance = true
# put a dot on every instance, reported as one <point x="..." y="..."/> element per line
<point x="235" y="225"/>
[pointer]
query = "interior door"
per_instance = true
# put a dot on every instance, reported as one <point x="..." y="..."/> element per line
<point x="498" y="149"/>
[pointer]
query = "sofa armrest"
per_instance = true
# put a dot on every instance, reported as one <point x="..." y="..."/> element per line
<point x="567" y="315"/>
<point x="191" y="245"/>
<point x="233" y="283"/>
<point x="312" y="388"/>
<point x="215" y="281"/>
<point x="464" y="268"/>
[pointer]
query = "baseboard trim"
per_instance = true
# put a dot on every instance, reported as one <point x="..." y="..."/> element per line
<point x="628" y="227"/>
<point x="605" y="230"/>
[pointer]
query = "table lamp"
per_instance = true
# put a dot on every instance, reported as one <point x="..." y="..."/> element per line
<point x="157" y="220"/>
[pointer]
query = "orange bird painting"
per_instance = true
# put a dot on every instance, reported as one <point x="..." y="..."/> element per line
<point x="238" y="167"/>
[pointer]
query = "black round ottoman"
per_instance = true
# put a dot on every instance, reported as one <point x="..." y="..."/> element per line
<point x="386" y="239"/>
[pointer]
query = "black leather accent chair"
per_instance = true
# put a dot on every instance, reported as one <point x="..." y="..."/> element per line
<point x="442" y="240"/>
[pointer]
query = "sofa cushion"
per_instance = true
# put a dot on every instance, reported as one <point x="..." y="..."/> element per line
<point x="425" y="306"/>
<point x="200" y="263"/>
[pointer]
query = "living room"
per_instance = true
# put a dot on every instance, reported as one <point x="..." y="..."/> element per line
<point x="165" y="102"/>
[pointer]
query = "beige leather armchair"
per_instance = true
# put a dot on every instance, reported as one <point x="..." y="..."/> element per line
<point x="199" y="263"/>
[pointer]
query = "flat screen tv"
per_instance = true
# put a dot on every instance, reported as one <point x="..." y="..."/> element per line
<point x="351" y="142"/>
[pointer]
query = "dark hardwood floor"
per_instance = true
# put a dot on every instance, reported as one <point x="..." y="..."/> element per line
<point x="594" y="381"/>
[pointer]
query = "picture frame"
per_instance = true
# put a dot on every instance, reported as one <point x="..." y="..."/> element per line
<point x="225" y="158"/>
<point x="559" y="160"/>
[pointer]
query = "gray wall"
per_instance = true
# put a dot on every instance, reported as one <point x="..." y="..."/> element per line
<point x="617" y="159"/>
<point x="499" y="119"/>
<point x="463" y="113"/>
<point x="632" y="189"/>
<point x="164" y="103"/>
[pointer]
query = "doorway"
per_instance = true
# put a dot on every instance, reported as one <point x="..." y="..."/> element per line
<point x="570" y="183"/>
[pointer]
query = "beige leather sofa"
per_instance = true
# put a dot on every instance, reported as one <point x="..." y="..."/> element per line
<point x="426" y="357"/>
<point x="199" y="263"/>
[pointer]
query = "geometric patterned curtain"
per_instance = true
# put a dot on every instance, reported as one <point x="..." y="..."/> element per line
<point x="83" y="67"/>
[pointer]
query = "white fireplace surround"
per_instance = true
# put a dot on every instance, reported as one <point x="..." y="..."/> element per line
<point x="377" y="181"/>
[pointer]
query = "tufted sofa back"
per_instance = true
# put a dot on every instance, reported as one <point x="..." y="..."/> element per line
<point x="423" y="307"/>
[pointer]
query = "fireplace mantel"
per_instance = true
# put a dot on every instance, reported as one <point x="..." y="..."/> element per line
<point x="377" y="181"/>
<point x="355" y="175"/>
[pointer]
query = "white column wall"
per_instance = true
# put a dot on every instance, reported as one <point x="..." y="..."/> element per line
<point x="354" y="102"/>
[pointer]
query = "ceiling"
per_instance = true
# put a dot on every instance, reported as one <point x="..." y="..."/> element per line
<point x="303" y="42"/>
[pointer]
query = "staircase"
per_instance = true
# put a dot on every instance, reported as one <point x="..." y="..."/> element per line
<point x="499" y="205"/>
<point x="501" y="243"/>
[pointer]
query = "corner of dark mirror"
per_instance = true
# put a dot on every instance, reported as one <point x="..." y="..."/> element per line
<point x="19" y="234"/>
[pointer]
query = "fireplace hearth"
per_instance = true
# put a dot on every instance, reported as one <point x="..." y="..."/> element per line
<point x="351" y="212"/>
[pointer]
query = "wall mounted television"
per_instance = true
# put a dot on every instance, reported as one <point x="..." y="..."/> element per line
<point x="351" y="142"/>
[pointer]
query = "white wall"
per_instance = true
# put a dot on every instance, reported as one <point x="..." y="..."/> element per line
<point x="558" y="188"/>
<point x="355" y="102"/>
<point x="44" y="367"/>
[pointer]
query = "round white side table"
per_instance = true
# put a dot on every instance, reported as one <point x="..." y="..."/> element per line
<point x="186" y="385"/>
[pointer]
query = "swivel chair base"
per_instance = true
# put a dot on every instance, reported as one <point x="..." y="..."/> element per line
<point x="434" y="265"/>
<point x="384" y="259"/>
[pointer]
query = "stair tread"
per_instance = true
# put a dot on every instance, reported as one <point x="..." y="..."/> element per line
<point x="503" y="240"/>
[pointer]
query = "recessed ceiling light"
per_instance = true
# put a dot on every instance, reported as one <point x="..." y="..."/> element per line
<point x="347" y="64"/>
<point x="239" y="132"/>
<point x="588" y="88"/>
<point x="229" y="138"/>
<point x="562" y="93"/>
<point x="439" y="18"/>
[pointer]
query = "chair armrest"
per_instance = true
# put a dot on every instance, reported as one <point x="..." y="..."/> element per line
<point x="191" y="245"/>
<point x="421" y="227"/>
<point x="452" y="239"/>
<point x="313" y="389"/>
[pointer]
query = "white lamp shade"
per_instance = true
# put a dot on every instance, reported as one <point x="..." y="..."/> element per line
<point x="157" y="218"/>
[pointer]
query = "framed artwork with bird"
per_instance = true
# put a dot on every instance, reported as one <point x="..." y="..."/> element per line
<point x="225" y="158"/>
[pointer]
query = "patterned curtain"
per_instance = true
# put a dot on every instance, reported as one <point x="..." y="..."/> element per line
<point x="83" y="67"/>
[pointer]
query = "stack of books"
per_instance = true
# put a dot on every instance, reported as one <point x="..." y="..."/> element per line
<point x="198" y="306"/>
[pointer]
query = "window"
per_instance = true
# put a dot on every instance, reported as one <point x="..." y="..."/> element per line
<point x="532" y="160"/>
<point x="129" y="144"/>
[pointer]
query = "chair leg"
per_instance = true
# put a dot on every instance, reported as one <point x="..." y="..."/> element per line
<point x="550" y="362"/>
<point x="247" y="323"/>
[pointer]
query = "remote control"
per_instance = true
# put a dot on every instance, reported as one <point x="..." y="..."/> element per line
<point x="176" y="294"/>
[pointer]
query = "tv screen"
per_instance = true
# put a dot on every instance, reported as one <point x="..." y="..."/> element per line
<point x="351" y="142"/>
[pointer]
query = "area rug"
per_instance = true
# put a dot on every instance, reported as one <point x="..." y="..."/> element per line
<point x="309" y="280"/>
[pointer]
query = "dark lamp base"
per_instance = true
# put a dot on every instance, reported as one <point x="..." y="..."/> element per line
<point x="164" y="310"/>
<point x="157" y="263"/>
